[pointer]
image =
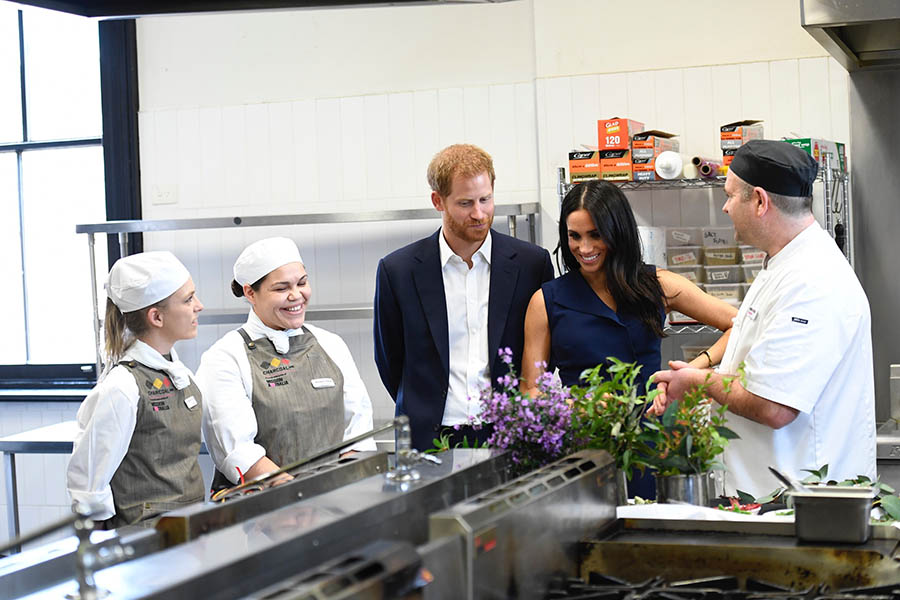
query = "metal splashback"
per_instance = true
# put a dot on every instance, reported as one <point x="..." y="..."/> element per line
<point x="191" y="522"/>
<point x="382" y="569"/>
<point x="249" y="556"/>
<point x="517" y="536"/>
<point x="860" y="34"/>
<point x="677" y="550"/>
<point x="55" y="563"/>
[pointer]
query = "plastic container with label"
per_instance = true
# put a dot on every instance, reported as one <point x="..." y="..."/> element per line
<point x="718" y="237"/>
<point x="749" y="254"/>
<point x="724" y="274"/>
<point x="726" y="255"/>
<point x="685" y="256"/>
<point x="695" y="274"/>
<point x="726" y="291"/>
<point x="751" y="271"/>
<point x="683" y="236"/>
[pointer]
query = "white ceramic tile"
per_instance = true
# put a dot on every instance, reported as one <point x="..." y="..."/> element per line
<point x="669" y="99"/>
<point x="351" y="154"/>
<point x="701" y="131"/>
<point x="306" y="153"/>
<point x="281" y="154"/>
<point x="526" y="136"/>
<point x="726" y="99"/>
<point x="839" y="82"/>
<point x="585" y="109"/>
<point x="377" y="150"/>
<point x="234" y="144"/>
<point x="614" y="101"/>
<point x="212" y="156"/>
<point x="258" y="153"/>
<point x="402" y="138"/>
<point x="503" y="146"/>
<point x="477" y="118"/>
<point x="328" y="154"/>
<point x="815" y="98"/>
<point x="427" y="124"/>
<point x="451" y="117"/>
<point x="188" y="150"/>
<point x="641" y="88"/>
<point x="756" y="97"/>
<point x="785" y="90"/>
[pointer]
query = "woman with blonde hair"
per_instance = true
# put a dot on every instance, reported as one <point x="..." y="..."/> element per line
<point x="135" y="454"/>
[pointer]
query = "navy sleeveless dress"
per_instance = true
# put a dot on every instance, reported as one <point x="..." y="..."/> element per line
<point x="584" y="331"/>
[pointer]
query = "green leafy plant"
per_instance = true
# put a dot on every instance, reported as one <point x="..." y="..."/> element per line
<point x="885" y="495"/>
<point x="442" y="443"/>
<point x="607" y="414"/>
<point x="691" y="434"/>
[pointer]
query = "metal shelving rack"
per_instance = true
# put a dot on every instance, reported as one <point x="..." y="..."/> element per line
<point x="223" y="316"/>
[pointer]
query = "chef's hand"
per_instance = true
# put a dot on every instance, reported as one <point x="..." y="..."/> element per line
<point x="672" y="385"/>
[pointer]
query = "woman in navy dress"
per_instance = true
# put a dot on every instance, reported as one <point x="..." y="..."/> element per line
<point x="609" y="302"/>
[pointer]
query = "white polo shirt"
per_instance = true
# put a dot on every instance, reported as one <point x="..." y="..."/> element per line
<point x="803" y="333"/>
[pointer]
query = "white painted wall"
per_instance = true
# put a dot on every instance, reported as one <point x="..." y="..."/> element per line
<point x="341" y="110"/>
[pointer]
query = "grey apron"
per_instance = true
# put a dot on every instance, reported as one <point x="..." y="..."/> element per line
<point x="160" y="471"/>
<point x="298" y="399"/>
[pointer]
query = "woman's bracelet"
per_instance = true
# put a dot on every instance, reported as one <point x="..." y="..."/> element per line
<point x="708" y="358"/>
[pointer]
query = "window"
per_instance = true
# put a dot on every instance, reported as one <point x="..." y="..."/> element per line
<point x="51" y="178"/>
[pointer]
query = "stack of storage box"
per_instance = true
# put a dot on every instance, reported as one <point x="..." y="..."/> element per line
<point x="711" y="258"/>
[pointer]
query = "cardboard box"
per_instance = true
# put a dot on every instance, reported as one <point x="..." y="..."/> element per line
<point x="645" y="147"/>
<point x="616" y="133"/>
<point x="583" y="166"/>
<point x="615" y="165"/>
<point x="734" y="135"/>
<point x="818" y="148"/>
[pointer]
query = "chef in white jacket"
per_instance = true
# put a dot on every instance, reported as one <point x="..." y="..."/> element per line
<point x="801" y="339"/>
<point x="277" y="389"/>
<point x="135" y="454"/>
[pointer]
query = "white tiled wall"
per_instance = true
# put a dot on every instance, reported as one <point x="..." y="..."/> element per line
<point x="41" y="478"/>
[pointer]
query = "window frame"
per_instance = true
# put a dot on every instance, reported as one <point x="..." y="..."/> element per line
<point x="121" y="165"/>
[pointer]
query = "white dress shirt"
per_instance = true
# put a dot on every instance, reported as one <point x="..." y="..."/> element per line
<point x="106" y="421"/>
<point x="803" y="333"/>
<point x="229" y="423"/>
<point x="467" y="292"/>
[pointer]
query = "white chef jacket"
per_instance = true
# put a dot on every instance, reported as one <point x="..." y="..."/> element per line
<point x="467" y="292"/>
<point x="229" y="422"/>
<point x="803" y="333"/>
<point x="106" y="420"/>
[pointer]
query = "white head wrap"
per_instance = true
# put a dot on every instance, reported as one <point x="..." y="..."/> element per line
<point x="262" y="257"/>
<point x="140" y="280"/>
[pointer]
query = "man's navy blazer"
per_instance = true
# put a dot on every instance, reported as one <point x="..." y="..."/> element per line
<point x="412" y="347"/>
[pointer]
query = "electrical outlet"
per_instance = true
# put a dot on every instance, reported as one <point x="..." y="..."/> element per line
<point x="163" y="194"/>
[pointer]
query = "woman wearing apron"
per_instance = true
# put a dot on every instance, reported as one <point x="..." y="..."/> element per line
<point x="135" y="454"/>
<point x="277" y="389"/>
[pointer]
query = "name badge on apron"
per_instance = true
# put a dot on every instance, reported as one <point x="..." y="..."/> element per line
<point x="322" y="382"/>
<point x="190" y="402"/>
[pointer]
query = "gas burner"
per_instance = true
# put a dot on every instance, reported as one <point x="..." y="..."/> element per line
<point x="605" y="587"/>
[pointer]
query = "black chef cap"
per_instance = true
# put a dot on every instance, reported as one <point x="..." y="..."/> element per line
<point x="777" y="167"/>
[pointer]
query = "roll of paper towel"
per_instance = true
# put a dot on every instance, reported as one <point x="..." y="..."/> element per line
<point x="653" y="245"/>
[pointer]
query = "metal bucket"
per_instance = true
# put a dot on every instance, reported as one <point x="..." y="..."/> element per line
<point x="690" y="489"/>
<point x="621" y="488"/>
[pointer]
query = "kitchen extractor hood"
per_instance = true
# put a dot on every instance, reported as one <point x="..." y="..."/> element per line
<point x="860" y="34"/>
<point x="135" y="8"/>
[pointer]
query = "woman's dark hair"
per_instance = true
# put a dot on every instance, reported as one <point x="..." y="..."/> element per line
<point x="634" y="287"/>
<point x="238" y="290"/>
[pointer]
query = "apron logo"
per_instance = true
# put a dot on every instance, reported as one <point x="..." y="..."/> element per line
<point x="157" y="383"/>
<point x="159" y="405"/>
<point x="799" y="320"/>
